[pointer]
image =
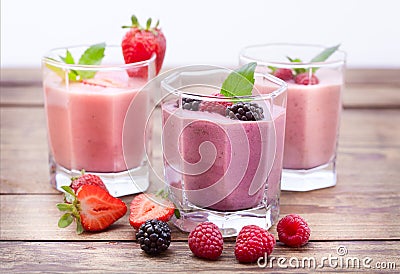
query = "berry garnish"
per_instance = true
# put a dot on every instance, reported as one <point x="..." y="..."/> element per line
<point x="215" y="106"/>
<point x="139" y="44"/>
<point x="154" y="236"/>
<point x="245" y="112"/>
<point x="205" y="241"/>
<point x="293" y="231"/>
<point x="93" y="209"/>
<point x="148" y="206"/>
<point x="306" y="79"/>
<point x="283" y="73"/>
<point x="86" y="179"/>
<point x="252" y="243"/>
<point x="190" y="104"/>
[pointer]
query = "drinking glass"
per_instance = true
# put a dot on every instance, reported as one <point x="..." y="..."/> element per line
<point x="218" y="168"/>
<point x="313" y="110"/>
<point x="86" y="108"/>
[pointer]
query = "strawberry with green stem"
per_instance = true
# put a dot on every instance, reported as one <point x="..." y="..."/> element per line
<point x="140" y="43"/>
<point x="92" y="208"/>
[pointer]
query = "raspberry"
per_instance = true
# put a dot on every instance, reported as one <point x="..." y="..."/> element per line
<point x="293" y="230"/>
<point x="305" y="79"/>
<point x="252" y="243"/>
<point x="215" y="106"/>
<point x="205" y="241"/>
<point x="284" y="74"/>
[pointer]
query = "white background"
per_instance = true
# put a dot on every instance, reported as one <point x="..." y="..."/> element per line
<point x="205" y="31"/>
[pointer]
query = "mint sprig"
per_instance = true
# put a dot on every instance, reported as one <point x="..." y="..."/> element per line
<point x="239" y="82"/>
<point x="92" y="56"/>
<point x="322" y="56"/>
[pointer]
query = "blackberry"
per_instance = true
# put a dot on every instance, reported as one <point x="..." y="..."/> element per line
<point x="245" y="112"/>
<point x="154" y="236"/>
<point x="190" y="104"/>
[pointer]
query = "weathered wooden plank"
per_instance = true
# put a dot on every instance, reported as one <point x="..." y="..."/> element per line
<point x="126" y="257"/>
<point x="330" y="214"/>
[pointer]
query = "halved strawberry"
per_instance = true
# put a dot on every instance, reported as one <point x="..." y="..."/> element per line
<point x="148" y="206"/>
<point x="86" y="179"/>
<point x="93" y="209"/>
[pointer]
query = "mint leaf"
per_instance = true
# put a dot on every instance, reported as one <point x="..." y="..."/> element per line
<point x="92" y="56"/>
<point x="325" y="54"/>
<point x="296" y="60"/>
<point x="239" y="82"/>
<point x="68" y="59"/>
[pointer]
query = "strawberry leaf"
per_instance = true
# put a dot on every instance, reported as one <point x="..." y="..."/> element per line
<point x="65" y="220"/>
<point x="79" y="227"/>
<point x="239" y="82"/>
<point x="68" y="190"/>
<point x="65" y="207"/>
<point x="177" y="213"/>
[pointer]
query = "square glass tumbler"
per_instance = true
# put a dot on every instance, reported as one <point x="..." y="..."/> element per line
<point x="218" y="168"/>
<point x="89" y="126"/>
<point x="313" y="110"/>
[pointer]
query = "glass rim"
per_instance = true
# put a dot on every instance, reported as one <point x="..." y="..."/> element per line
<point x="48" y="60"/>
<point x="247" y="58"/>
<point x="282" y="87"/>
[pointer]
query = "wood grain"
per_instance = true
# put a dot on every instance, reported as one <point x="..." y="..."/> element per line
<point x="331" y="214"/>
<point x="126" y="257"/>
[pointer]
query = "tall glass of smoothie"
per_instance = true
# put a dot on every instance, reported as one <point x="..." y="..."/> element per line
<point x="88" y="91"/>
<point x="315" y="78"/>
<point x="223" y="155"/>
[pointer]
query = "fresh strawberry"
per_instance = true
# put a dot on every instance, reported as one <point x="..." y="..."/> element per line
<point x="306" y="79"/>
<point x="148" y="206"/>
<point x="139" y="44"/>
<point x="93" y="209"/>
<point x="86" y="179"/>
<point x="284" y="74"/>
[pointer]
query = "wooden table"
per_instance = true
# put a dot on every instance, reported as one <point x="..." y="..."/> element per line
<point x="360" y="214"/>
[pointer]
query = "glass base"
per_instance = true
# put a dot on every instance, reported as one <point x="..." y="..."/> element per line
<point x="309" y="179"/>
<point x="229" y="223"/>
<point x="118" y="184"/>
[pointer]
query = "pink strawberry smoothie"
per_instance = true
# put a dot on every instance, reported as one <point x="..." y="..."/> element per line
<point x="312" y="123"/>
<point x="85" y="122"/>
<point x="222" y="164"/>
